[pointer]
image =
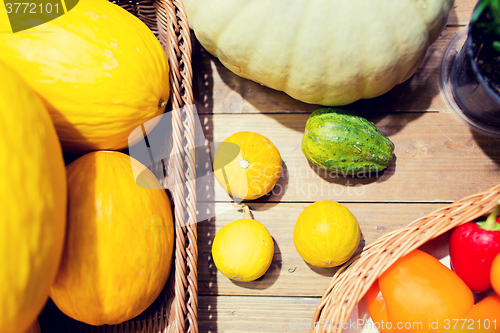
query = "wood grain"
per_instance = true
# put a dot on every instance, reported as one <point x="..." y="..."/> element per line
<point x="289" y="274"/>
<point x="231" y="314"/>
<point x="437" y="159"/>
<point x="461" y="11"/>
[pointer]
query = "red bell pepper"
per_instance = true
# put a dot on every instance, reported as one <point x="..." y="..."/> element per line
<point x="473" y="246"/>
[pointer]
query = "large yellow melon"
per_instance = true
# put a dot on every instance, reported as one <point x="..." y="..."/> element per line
<point x="100" y="71"/>
<point x="32" y="200"/>
<point x="34" y="328"/>
<point x="120" y="236"/>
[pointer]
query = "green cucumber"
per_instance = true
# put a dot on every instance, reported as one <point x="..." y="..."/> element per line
<point x="338" y="140"/>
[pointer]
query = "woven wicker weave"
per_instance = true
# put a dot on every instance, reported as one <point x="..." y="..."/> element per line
<point x="351" y="281"/>
<point x="175" y="310"/>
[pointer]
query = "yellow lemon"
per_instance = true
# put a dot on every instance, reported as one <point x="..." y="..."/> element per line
<point x="243" y="250"/>
<point x="326" y="234"/>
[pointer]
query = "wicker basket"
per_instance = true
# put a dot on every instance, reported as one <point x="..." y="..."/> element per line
<point x="351" y="282"/>
<point x="175" y="310"/>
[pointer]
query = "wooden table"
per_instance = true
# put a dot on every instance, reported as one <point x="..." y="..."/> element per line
<point x="438" y="160"/>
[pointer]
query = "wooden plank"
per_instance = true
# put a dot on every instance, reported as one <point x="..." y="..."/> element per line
<point x="461" y="11"/>
<point x="217" y="90"/>
<point x="231" y="314"/>
<point x="267" y="314"/>
<point x="437" y="159"/>
<point x="289" y="275"/>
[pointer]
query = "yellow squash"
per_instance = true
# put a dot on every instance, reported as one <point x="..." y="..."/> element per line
<point x="118" y="252"/>
<point x="243" y="249"/>
<point x="326" y="234"/>
<point x="247" y="165"/>
<point x="33" y="201"/>
<point x="99" y="70"/>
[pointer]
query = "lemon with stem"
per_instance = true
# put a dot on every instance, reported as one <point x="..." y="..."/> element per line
<point x="243" y="249"/>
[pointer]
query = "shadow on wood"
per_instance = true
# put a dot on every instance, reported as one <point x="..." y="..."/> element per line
<point x="489" y="145"/>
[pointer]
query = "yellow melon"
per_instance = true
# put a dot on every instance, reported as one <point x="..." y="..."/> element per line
<point x="33" y="201"/>
<point x="120" y="237"/>
<point x="326" y="234"/>
<point x="243" y="249"/>
<point x="34" y="328"/>
<point x="99" y="70"/>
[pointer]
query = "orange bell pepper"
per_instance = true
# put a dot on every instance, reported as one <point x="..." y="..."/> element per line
<point x="419" y="293"/>
<point x="377" y="308"/>
<point x="495" y="274"/>
<point x="482" y="317"/>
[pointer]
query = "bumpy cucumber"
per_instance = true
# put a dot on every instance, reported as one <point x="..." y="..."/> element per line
<point x="339" y="140"/>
